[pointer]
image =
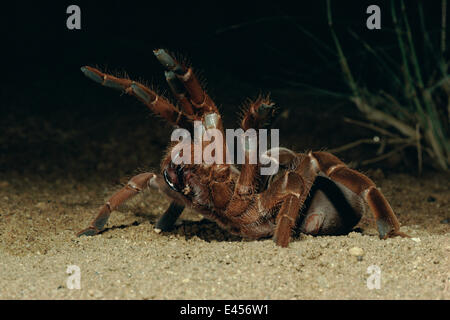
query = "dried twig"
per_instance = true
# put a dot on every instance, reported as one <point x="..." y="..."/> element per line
<point x="385" y="156"/>
<point x="424" y="116"/>
<point x="370" y="126"/>
<point x="369" y="141"/>
<point x="444" y="25"/>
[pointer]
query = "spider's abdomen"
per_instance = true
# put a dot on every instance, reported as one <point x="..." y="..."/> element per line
<point x="330" y="209"/>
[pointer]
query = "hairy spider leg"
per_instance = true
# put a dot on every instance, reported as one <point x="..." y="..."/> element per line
<point x="136" y="185"/>
<point x="157" y="104"/>
<point x="335" y="169"/>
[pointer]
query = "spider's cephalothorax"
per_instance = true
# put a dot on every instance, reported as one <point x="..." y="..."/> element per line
<point x="312" y="192"/>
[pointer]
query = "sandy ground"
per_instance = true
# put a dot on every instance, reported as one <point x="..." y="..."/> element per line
<point x="198" y="260"/>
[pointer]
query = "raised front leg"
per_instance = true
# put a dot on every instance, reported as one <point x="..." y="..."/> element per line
<point x="157" y="104"/>
<point x="193" y="98"/>
<point x="258" y="114"/>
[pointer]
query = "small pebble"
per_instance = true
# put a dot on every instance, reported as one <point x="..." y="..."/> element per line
<point x="324" y="245"/>
<point x="416" y="239"/>
<point x="357" y="252"/>
<point x="96" y="294"/>
<point x="157" y="230"/>
<point x="354" y="234"/>
<point x="40" y="205"/>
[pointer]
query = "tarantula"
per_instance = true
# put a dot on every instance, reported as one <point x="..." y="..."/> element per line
<point x="313" y="193"/>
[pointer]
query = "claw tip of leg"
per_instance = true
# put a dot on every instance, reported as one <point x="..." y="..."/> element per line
<point x="87" y="232"/>
<point x="157" y="52"/>
<point x="383" y="229"/>
<point x="91" y="75"/>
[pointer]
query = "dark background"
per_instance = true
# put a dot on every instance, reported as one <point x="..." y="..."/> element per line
<point x="55" y="121"/>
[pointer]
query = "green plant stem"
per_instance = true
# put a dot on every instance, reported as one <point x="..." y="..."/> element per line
<point x="444" y="26"/>
<point x="342" y="60"/>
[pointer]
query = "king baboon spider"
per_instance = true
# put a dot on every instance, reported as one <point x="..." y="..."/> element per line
<point x="314" y="192"/>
